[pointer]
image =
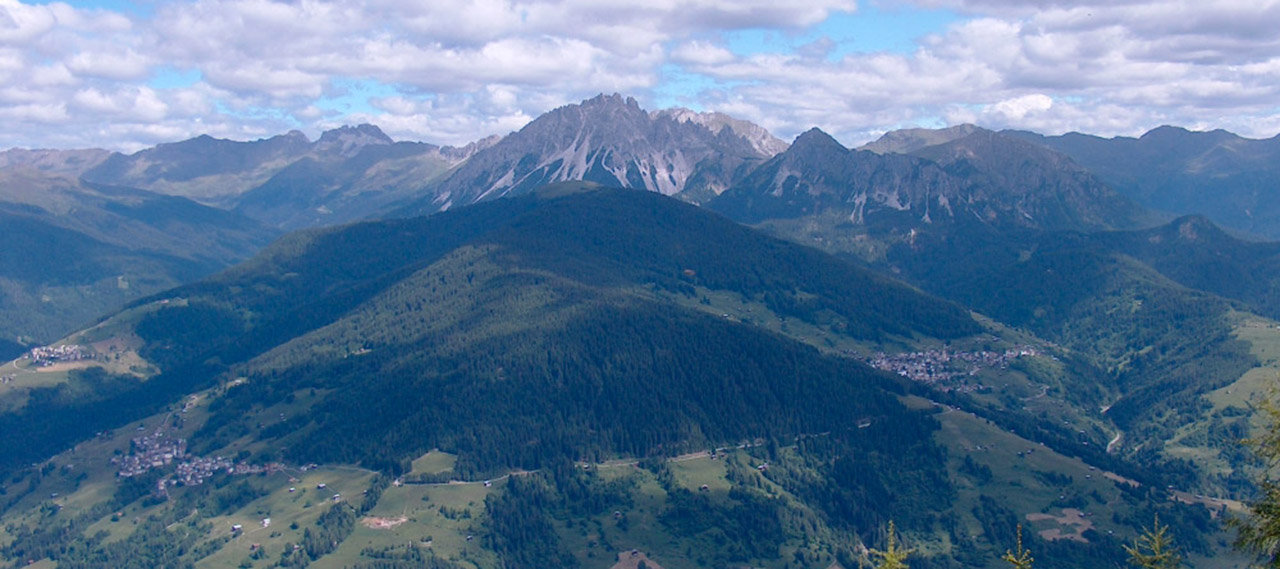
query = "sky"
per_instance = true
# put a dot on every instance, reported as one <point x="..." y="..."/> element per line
<point x="127" y="74"/>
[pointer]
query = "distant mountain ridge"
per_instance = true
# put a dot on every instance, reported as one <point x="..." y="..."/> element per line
<point x="72" y="250"/>
<point x="976" y="176"/>
<point x="907" y="180"/>
<point x="48" y="161"/>
<point x="288" y="181"/>
<point x="1231" y="179"/>
<point x="908" y="140"/>
<point x="533" y="329"/>
<point x="358" y="172"/>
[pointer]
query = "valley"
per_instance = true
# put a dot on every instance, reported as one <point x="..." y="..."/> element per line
<point x="619" y="337"/>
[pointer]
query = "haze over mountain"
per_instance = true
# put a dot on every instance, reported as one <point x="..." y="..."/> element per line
<point x="352" y="173"/>
<point x="288" y="181"/>
<point x="358" y="172"/>
<point x="73" y="251"/>
<point x="1230" y="179"/>
<point x="56" y="162"/>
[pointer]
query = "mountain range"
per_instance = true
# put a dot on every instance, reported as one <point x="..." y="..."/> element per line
<point x="265" y="187"/>
<point x="531" y="335"/>
<point x="1225" y="177"/>
<point x="620" y="330"/>
<point x="74" y="250"/>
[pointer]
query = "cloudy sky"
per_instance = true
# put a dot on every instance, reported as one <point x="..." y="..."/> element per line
<point x="123" y="74"/>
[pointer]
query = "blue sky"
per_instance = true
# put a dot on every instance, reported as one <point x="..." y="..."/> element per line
<point x="127" y="74"/>
<point x="870" y="29"/>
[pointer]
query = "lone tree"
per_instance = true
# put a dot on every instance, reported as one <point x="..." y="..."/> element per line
<point x="1022" y="559"/>
<point x="1259" y="531"/>
<point x="1154" y="549"/>
<point x="893" y="556"/>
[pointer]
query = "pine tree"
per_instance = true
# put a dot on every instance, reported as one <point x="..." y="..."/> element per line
<point x="1154" y="549"/>
<point x="1259" y="532"/>
<point x="893" y="556"/>
<point x="1021" y="560"/>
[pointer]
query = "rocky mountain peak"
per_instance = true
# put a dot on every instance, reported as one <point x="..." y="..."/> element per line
<point x="757" y="136"/>
<point x="607" y="139"/>
<point x="457" y="154"/>
<point x="814" y="139"/>
<point x="348" y="140"/>
<point x="606" y="101"/>
<point x="597" y="111"/>
<point x="996" y="179"/>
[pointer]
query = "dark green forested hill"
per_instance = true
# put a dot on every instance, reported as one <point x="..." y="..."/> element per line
<point x="575" y="352"/>
<point x="1162" y="343"/>
<point x="542" y="303"/>
<point x="1153" y="314"/>
<point x="1199" y="255"/>
<point x="485" y="305"/>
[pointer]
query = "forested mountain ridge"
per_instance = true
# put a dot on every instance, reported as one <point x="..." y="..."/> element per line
<point x="577" y="324"/>
<point x="542" y="343"/>
<point x="1223" y="176"/>
<point x="1156" y="310"/>
<point x="73" y="251"/>
<point x="518" y="334"/>
<point x="308" y="283"/>
<point x="86" y="230"/>
<point x="574" y="325"/>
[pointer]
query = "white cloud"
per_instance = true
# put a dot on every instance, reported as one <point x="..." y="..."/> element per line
<point x="1111" y="68"/>
<point x="451" y="120"/>
<point x="127" y="104"/>
<point x="456" y="70"/>
<point x="53" y="75"/>
<point x="123" y="65"/>
<point x="40" y="114"/>
<point x="20" y="23"/>
<point x="1018" y="108"/>
<point x="700" y="52"/>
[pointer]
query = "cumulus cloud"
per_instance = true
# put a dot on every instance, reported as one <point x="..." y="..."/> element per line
<point x="120" y="65"/>
<point x="1017" y="109"/>
<point x="457" y="70"/>
<point x="463" y="67"/>
<point x="699" y="52"/>
<point x="20" y="23"/>
<point x="1104" y="67"/>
